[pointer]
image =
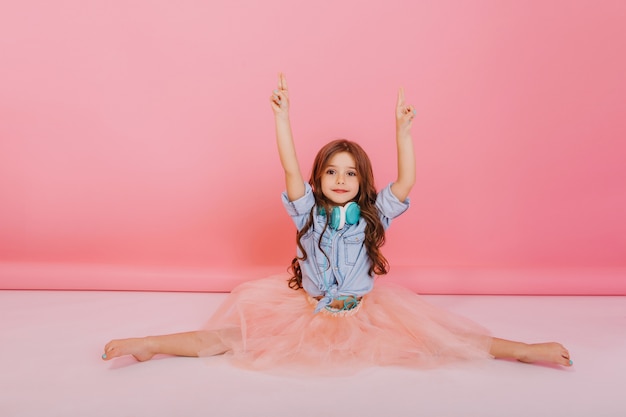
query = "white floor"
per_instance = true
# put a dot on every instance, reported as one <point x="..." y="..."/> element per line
<point x="51" y="342"/>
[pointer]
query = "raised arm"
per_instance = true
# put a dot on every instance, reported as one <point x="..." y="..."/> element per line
<point x="284" y="139"/>
<point x="406" y="156"/>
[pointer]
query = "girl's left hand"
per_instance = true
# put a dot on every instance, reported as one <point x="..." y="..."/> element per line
<point x="405" y="113"/>
<point x="280" y="97"/>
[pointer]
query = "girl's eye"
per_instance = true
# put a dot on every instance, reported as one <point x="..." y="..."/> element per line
<point x="330" y="171"/>
<point x="352" y="174"/>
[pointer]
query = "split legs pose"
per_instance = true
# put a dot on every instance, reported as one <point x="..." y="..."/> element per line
<point x="190" y="343"/>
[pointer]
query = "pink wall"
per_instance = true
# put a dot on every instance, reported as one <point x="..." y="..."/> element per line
<point x="137" y="147"/>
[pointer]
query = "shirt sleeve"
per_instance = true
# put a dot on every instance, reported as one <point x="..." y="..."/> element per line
<point x="299" y="209"/>
<point x="389" y="207"/>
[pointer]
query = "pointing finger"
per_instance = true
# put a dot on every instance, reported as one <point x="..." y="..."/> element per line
<point x="282" y="81"/>
<point x="400" y="101"/>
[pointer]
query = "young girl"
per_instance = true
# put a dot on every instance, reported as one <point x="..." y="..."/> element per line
<point x="329" y="315"/>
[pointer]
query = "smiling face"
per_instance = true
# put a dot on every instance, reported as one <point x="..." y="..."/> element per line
<point x="340" y="179"/>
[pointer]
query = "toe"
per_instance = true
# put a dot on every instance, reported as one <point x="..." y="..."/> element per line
<point x="565" y="360"/>
<point x="106" y="350"/>
<point x="107" y="355"/>
<point x="109" y="351"/>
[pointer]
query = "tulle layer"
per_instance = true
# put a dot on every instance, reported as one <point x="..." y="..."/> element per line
<point x="264" y="324"/>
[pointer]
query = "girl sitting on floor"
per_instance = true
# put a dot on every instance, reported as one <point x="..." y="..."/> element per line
<point x="330" y="314"/>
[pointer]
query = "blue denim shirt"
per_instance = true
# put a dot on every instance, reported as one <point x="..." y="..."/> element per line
<point x="347" y="272"/>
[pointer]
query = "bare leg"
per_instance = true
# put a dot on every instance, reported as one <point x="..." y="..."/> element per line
<point x="179" y="344"/>
<point x="538" y="352"/>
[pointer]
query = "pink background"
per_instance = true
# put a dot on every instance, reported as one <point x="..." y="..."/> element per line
<point x="137" y="146"/>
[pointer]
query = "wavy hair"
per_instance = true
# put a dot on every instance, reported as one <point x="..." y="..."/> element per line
<point x="365" y="198"/>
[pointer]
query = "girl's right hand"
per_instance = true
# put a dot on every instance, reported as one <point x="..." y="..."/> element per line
<point x="405" y="113"/>
<point x="280" y="97"/>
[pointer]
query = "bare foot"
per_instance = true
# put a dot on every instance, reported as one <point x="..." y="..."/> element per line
<point x="545" y="352"/>
<point x="138" y="347"/>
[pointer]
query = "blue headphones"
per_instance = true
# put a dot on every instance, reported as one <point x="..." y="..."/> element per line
<point x="342" y="215"/>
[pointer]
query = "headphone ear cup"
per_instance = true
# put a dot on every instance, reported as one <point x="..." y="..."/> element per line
<point x="353" y="213"/>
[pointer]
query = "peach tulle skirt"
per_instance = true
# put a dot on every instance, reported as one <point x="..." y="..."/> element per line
<point x="264" y="324"/>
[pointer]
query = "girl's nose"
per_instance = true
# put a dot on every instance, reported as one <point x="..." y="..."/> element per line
<point x="340" y="179"/>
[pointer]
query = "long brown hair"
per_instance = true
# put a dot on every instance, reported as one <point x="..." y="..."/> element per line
<point x="366" y="199"/>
